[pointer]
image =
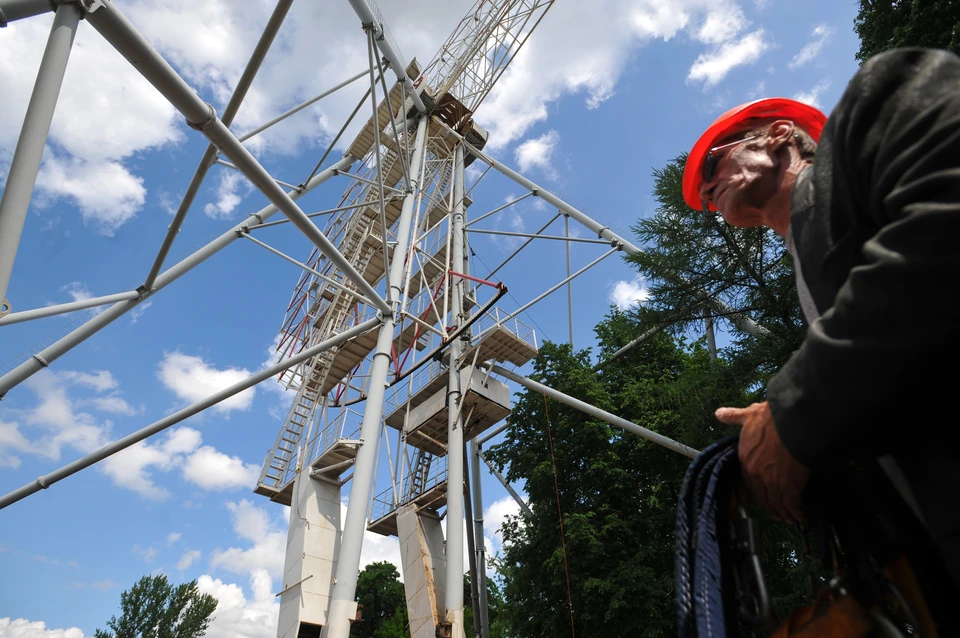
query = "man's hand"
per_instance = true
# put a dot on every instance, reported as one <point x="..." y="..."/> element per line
<point x="775" y="478"/>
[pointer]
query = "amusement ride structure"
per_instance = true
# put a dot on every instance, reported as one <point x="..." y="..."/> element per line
<point x="388" y="334"/>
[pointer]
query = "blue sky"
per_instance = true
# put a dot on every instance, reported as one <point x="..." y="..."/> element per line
<point x="595" y="101"/>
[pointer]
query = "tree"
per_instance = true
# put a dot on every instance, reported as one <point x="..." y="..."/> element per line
<point x="494" y="607"/>
<point x="380" y="593"/>
<point x="888" y="24"/>
<point x="153" y="608"/>
<point x="616" y="491"/>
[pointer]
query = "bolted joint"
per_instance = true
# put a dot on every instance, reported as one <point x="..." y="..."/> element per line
<point x="211" y="116"/>
<point x="88" y="6"/>
<point x="600" y="232"/>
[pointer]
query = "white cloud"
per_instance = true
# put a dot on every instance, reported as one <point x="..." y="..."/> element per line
<point x="213" y="470"/>
<point x="549" y="66"/>
<point x="538" y="152"/>
<point x="55" y="416"/>
<point x="237" y="617"/>
<point x="172" y="538"/>
<point x="11" y="440"/>
<point x="192" y="379"/>
<point x="107" y="193"/>
<point x="146" y="553"/>
<point x="23" y="628"/>
<point x="821" y="35"/>
<point x="113" y="404"/>
<point x="710" y="68"/>
<point x="494" y="516"/>
<point x="100" y="380"/>
<point x="253" y="524"/>
<point x="628" y="293"/>
<point x="188" y="558"/>
<point x="228" y="197"/>
<point x="812" y="97"/>
<point x="721" y="24"/>
<point x="77" y="291"/>
<point x="137" y="312"/>
<point x="105" y="113"/>
<point x="132" y="468"/>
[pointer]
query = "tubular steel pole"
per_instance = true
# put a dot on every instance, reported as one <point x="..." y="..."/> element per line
<point x="612" y="419"/>
<point x="506" y="485"/>
<point x="59" y="309"/>
<point x="472" y="554"/>
<point x="481" y="560"/>
<point x="240" y="92"/>
<point x="124" y="37"/>
<point x="13" y="10"/>
<point x="453" y="595"/>
<point x="53" y="352"/>
<point x="46" y="481"/>
<point x="343" y="603"/>
<point x="385" y="44"/>
<point x="603" y="232"/>
<point x="566" y="233"/>
<point x="33" y="136"/>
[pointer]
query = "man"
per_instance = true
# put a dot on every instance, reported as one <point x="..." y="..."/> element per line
<point x="873" y="223"/>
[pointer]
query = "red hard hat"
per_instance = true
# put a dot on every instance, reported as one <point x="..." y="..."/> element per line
<point x="803" y="115"/>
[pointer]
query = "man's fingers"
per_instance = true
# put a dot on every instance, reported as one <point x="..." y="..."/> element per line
<point x="730" y="416"/>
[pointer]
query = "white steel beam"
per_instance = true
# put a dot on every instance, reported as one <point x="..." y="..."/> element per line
<point x="455" y="466"/>
<point x="33" y="136"/>
<point x="60" y="309"/>
<point x="343" y="604"/>
<point x="47" y="480"/>
<point x="13" y="10"/>
<point x="56" y="350"/>
<point x="612" y="419"/>
<point x="124" y="37"/>
<point x="239" y="92"/>
<point x="369" y="15"/>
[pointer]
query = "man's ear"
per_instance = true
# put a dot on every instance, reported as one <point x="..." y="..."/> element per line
<point x="780" y="133"/>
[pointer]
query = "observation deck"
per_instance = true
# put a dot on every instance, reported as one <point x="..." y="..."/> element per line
<point x="336" y="443"/>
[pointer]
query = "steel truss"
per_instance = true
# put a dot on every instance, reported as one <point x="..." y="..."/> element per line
<point x="385" y="310"/>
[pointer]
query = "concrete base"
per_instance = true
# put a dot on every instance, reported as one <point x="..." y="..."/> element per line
<point x="313" y="544"/>
<point x="424" y="569"/>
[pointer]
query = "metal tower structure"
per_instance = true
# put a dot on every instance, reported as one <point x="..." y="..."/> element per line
<point x="388" y="333"/>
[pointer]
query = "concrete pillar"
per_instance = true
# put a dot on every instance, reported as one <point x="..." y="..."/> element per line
<point x="313" y="544"/>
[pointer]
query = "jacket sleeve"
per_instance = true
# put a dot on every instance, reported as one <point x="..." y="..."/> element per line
<point x="881" y="362"/>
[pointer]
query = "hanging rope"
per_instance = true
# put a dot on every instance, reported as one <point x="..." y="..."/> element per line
<point x="563" y="542"/>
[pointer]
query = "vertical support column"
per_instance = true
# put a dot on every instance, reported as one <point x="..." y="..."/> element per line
<point x="711" y="335"/>
<point x="33" y="136"/>
<point x="472" y="555"/>
<point x="566" y="233"/>
<point x="477" y="497"/>
<point x="343" y="606"/>
<point x="454" y="594"/>
<point x="313" y="541"/>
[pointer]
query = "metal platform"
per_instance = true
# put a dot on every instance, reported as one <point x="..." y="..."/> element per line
<point x="336" y="443"/>
<point x="432" y="496"/>
<point x="512" y="342"/>
<point x="363" y="142"/>
<point x="483" y="408"/>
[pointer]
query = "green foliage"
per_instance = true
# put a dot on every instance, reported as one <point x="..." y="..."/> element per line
<point x="380" y="593"/>
<point x="617" y="491"/>
<point x="153" y="608"/>
<point x="888" y="24"/>
<point x="495" y="605"/>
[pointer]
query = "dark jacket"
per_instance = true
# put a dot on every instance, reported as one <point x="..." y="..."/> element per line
<point x="877" y="230"/>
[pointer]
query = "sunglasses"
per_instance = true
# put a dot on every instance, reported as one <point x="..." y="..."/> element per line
<point x="713" y="158"/>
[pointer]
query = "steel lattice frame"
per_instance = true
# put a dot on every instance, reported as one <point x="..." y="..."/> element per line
<point x="400" y="224"/>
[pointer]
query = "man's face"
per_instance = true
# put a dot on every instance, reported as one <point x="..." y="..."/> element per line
<point x="743" y="180"/>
